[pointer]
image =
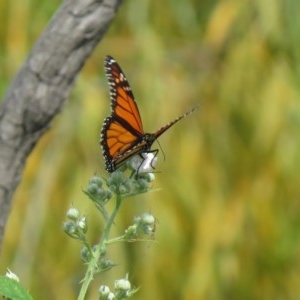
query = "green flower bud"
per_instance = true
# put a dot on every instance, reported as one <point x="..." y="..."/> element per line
<point x="122" y="285"/>
<point x="73" y="214"/>
<point x="92" y="188"/>
<point x="111" y="296"/>
<point x="12" y="275"/>
<point x="106" y="264"/>
<point x="85" y="254"/>
<point x="96" y="180"/>
<point x="69" y="227"/>
<point x="82" y="224"/>
<point x="104" y="290"/>
<point x="147" y="219"/>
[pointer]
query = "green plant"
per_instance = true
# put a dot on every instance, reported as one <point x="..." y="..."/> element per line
<point x="117" y="186"/>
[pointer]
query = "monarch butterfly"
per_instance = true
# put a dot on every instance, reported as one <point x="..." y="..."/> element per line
<point x="122" y="134"/>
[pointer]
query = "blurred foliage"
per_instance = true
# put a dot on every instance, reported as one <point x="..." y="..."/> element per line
<point x="228" y="207"/>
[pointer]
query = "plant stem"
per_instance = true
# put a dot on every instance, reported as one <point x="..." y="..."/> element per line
<point x="93" y="264"/>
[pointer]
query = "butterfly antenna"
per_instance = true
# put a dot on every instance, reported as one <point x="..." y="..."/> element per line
<point x="162" y="151"/>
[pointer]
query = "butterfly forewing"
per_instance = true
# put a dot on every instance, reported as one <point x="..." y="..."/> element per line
<point x="122" y="99"/>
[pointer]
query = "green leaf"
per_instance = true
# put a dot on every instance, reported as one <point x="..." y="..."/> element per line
<point x="12" y="289"/>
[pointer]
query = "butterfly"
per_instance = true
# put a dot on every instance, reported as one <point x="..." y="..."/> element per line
<point x="122" y="134"/>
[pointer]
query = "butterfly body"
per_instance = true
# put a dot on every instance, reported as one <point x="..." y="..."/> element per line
<point x="122" y="134"/>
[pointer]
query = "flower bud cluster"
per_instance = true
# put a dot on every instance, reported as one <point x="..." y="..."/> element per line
<point x="120" y="184"/>
<point x="76" y="225"/>
<point x="97" y="192"/>
<point x="143" y="225"/>
<point x="117" y="183"/>
<point x="146" y="223"/>
<point x="122" y="290"/>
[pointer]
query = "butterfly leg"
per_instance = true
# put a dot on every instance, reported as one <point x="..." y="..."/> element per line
<point x="155" y="152"/>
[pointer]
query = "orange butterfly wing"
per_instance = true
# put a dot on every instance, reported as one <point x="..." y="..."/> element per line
<point x="122" y="99"/>
<point x="123" y="129"/>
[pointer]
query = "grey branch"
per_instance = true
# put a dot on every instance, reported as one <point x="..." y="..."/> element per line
<point x="43" y="85"/>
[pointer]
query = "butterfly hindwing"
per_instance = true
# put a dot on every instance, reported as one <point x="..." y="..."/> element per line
<point x="115" y="141"/>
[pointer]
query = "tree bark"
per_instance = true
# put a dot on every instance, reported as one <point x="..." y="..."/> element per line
<point x="43" y="84"/>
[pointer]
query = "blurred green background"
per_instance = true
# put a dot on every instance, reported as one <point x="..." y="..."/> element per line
<point x="227" y="208"/>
